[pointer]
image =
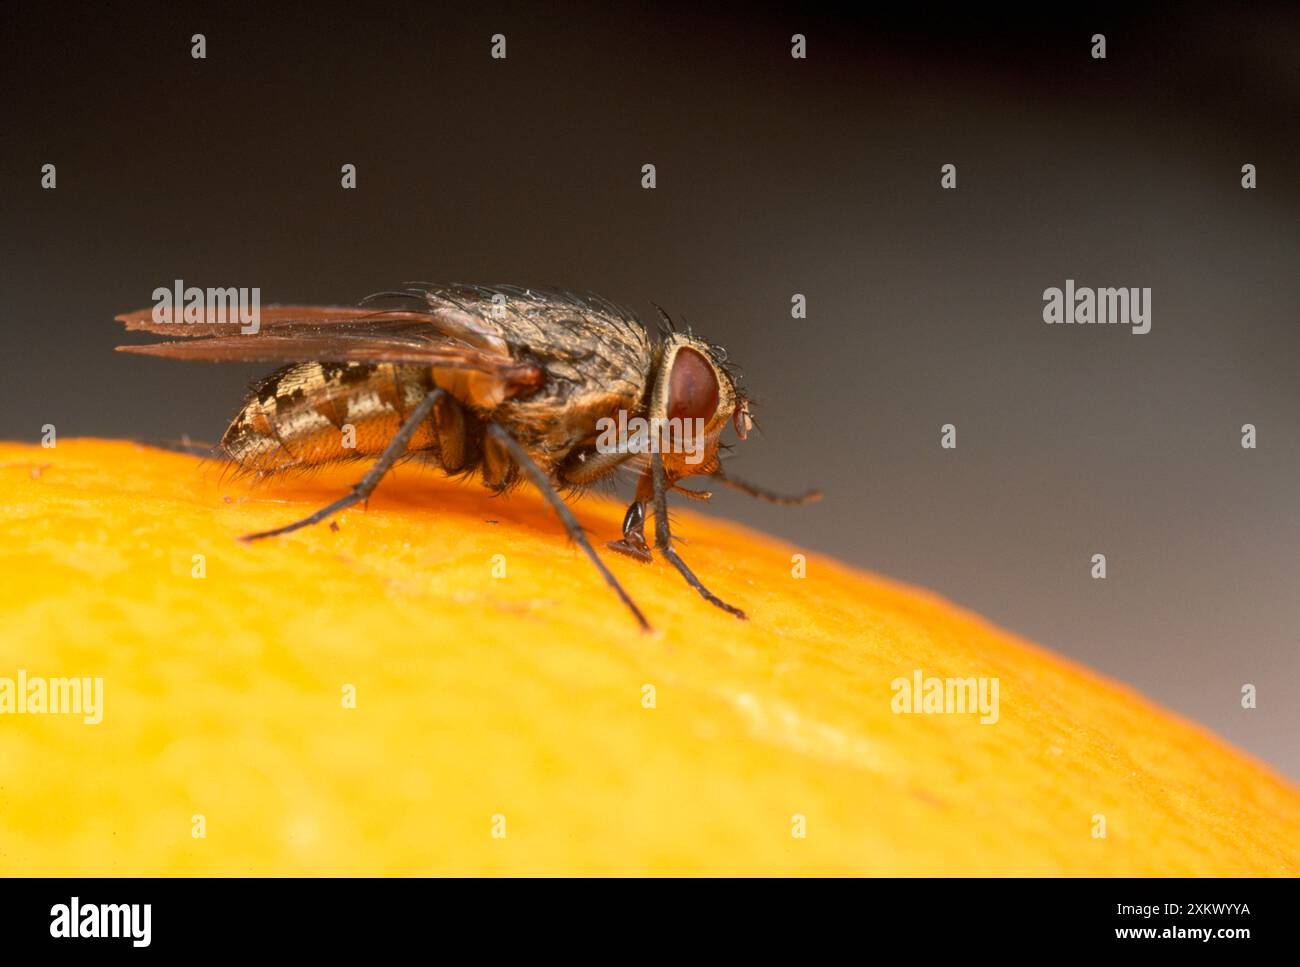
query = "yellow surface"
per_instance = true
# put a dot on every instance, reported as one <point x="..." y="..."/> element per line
<point x="522" y="697"/>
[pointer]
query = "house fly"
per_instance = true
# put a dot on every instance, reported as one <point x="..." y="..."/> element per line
<point x="500" y="381"/>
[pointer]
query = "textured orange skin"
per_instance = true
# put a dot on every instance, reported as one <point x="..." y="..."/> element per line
<point x="521" y="697"/>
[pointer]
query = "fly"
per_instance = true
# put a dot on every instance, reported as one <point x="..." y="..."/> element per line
<point x="505" y="382"/>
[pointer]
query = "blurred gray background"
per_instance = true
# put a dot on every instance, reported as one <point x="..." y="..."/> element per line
<point x="775" y="176"/>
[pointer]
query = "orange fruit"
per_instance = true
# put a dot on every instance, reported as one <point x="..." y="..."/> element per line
<point x="509" y="717"/>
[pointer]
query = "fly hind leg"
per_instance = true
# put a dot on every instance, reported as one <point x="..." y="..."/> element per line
<point x="364" y="487"/>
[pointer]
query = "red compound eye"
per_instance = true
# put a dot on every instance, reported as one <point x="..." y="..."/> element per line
<point x="692" y="388"/>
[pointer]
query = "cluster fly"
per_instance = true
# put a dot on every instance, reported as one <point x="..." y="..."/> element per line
<point x="499" y="381"/>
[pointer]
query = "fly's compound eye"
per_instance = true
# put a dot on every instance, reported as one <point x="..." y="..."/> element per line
<point x="693" y="387"/>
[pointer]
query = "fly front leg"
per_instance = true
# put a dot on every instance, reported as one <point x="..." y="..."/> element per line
<point x="364" y="487"/>
<point x="664" y="538"/>
<point x="634" y="544"/>
<point x="762" y="493"/>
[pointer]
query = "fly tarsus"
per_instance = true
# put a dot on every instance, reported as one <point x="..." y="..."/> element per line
<point x="534" y="473"/>
<point x="762" y="493"/>
<point x="664" y="540"/>
<point x="364" y="487"/>
<point x="633" y="544"/>
<point x="341" y="504"/>
<point x="694" y="582"/>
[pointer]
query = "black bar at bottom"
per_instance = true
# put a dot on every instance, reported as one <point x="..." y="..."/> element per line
<point x="333" y="917"/>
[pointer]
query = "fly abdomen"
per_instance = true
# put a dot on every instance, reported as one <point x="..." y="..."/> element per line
<point x="313" y="413"/>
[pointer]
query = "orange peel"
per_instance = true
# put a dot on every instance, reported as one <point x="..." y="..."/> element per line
<point x="509" y="718"/>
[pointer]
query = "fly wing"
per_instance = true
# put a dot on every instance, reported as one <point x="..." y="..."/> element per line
<point x="294" y="334"/>
<point x="170" y="322"/>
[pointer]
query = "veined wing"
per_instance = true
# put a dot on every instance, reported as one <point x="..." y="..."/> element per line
<point x="293" y="334"/>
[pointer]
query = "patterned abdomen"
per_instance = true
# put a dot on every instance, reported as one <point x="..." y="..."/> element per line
<point x="307" y="414"/>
